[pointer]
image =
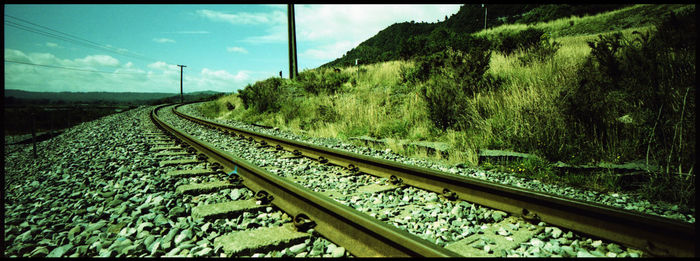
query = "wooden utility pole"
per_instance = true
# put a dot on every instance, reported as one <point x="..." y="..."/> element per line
<point x="182" y="98"/>
<point x="485" y="12"/>
<point x="34" y="115"/>
<point x="292" y="42"/>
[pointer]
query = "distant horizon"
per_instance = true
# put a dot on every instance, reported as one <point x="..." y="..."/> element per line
<point x="110" y="92"/>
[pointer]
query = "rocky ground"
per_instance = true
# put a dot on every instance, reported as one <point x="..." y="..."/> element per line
<point x="97" y="190"/>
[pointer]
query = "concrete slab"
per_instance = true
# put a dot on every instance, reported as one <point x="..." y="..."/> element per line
<point x="178" y="162"/>
<point x="260" y="240"/>
<point x="172" y="153"/>
<point x="202" y="188"/>
<point x="157" y="139"/>
<point x="186" y="173"/>
<point x="157" y="148"/>
<point x="164" y="143"/>
<point x="473" y="246"/>
<point x="375" y="188"/>
<point x="226" y="209"/>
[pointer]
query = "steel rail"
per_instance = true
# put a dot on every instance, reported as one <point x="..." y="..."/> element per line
<point x="359" y="233"/>
<point x="657" y="236"/>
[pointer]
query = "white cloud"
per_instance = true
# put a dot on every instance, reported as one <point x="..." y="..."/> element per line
<point x="224" y="75"/>
<point x="236" y="49"/>
<point x="242" y="17"/>
<point x="163" y="66"/>
<point x="163" y="40"/>
<point x="97" y="60"/>
<point x="53" y="45"/>
<point x="360" y="22"/>
<point x="129" y="76"/>
<point x="332" y="30"/>
<point x="328" y="51"/>
<point x="16" y="55"/>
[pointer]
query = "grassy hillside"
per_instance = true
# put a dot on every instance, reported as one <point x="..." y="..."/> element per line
<point x="613" y="87"/>
<point x="409" y="39"/>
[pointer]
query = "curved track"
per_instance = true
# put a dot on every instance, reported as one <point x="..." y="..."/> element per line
<point x="359" y="233"/>
<point x="655" y="235"/>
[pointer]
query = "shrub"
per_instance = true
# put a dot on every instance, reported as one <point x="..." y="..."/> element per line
<point x="522" y="40"/>
<point x="650" y="82"/>
<point x="327" y="114"/>
<point x="322" y="81"/>
<point x="542" y="51"/>
<point x="456" y="77"/>
<point x="267" y="95"/>
<point x="396" y="128"/>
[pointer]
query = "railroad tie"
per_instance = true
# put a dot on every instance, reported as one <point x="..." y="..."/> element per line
<point x="229" y="209"/>
<point x="260" y="240"/>
<point x="157" y="148"/>
<point x="496" y="239"/>
<point x="178" y="162"/>
<point x="172" y="153"/>
<point x="202" y="188"/>
<point x="186" y="173"/>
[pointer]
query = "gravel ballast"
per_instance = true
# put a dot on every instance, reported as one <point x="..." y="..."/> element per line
<point x="99" y="191"/>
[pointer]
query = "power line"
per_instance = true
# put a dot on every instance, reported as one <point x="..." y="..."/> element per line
<point x="48" y="34"/>
<point x="71" y="38"/>
<point x="68" y="68"/>
<point x="70" y="35"/>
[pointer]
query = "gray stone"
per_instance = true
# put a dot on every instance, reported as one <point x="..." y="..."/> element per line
<point x="584" y="253"/>
<point x="296" y="249"/>
<point x="59" y="251"/>
<point x="498" y="215"/>
<point x="615" y="248"/>
<point x="536" y="242"/>
<point x="568" y="251"/>
<point x="204" y="252"/>
<point x="177" y="212"/>
<point x="338" y="252"/>
<point x="40" y="251"/>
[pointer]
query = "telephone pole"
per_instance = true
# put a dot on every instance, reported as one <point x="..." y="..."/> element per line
<point x="182" y="99"/>
<point x="485" y="12"/>
<point x="292" y="42"/>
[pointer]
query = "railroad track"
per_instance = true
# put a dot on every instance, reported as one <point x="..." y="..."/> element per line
<point x="360" y="234"/>
<point x="654" y="235"/>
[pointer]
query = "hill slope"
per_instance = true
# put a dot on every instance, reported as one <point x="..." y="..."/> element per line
<point x="387" y="44"/>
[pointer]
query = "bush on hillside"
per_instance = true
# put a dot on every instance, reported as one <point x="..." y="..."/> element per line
<point x="542" y="51"/>
<point x="509" y="43"/>
<point x="267" y="95"/>
<point x="641" y="91"/>
<point x="450" y="62"/>
<point x="455" y="77"/>
<point x="322" y="81"/>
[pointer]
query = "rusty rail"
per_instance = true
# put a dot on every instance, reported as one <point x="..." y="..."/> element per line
<point x="655" y="235"/>
<point x="359" y="233"/>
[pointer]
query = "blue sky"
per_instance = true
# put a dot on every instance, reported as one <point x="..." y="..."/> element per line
<point x="225" y="47"/>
